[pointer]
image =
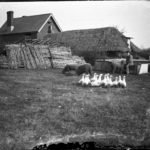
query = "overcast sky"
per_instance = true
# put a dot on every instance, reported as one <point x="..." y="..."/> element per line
<point x="133" y="17"/>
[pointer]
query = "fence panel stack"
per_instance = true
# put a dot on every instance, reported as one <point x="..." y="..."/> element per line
<point x="31" y="56"/>
<point x="13" y="56"/>
<point x="3" y="61"/>
<point x="60" y="56"/>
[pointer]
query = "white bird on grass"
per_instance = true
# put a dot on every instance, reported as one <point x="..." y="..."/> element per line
<point x="119" y="81"/>
<point x="81" y="81"/>
<point x="110" y="81"/>
<point x="103" y="81"/>
<point x="124" y="84"/>
<point x="115" y="82"/>
<point x="87" y="80"/>
<point x="94" y="77"/>
<point x="95" y="82"/>
<point x="107" y="82"/>
<point x="100" y="79"/>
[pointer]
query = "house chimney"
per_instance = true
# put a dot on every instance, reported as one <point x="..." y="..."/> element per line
<point x="10" y="20"/>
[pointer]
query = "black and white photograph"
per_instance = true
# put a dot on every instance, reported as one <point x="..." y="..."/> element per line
<point x="75" y="75"/>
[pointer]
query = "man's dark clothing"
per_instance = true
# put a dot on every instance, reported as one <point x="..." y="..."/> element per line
<point x="129" y="62"/>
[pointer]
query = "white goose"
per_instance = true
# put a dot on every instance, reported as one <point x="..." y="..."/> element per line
<point x="115" y="82"/>
<point x="94" y="77"/>
<point x="107" y="82"/>
<point x="124" y="84"/>
<point x="103" y="81"/>
<point x="87" y="80"/>
<point x="95" y="82"/>
<point x="100" y="79"/>
<point x="120" y="81"/>
<point x="110" y="81"/>
<point x="81" y="81"/>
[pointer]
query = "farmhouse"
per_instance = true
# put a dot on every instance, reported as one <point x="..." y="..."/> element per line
<point x="27" y="27"/>
<point x="99" y="47"/>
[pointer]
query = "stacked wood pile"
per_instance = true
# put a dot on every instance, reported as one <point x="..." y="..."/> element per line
<point x="3" y="61"/>
<point x="25" y="56"/>
<point x="60" y="56"/>
<point x="39" y="56"/>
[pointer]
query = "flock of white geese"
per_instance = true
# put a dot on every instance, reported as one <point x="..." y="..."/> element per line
<point x="103" y="80"/>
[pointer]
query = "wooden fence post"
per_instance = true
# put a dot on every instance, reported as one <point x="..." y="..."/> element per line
<point x="51" y="58"/>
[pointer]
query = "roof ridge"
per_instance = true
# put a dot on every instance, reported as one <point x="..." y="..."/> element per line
<point x="90" y="29"/>
<point x="27" y="24"/>
<point x="33" y="15"/>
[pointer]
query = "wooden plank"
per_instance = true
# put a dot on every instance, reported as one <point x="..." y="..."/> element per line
<point x="47" y="61"/>
<point x="15" y="66"/>
<point x="41" y="59"/>
<point x="3" y="61"/>
<point x="8" y="56"/>
<point x="51" y="58"/>
<point x="30" y="58"/>
<point x="11" y="57"/>
<point x="22" y="56"/>
<point x="28" y="65"/>
<point x="18" y="56"/>
<point x="34" y="55"/>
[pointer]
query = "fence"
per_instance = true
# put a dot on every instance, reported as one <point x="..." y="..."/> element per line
<point x="31" y="56"/>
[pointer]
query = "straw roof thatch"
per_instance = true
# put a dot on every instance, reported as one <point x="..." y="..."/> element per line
<point x="134" y="48"/>
<point x="139" y="53"/>
<point x="102" y="39"/>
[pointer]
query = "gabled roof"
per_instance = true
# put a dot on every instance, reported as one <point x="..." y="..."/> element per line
<point x="100" y="39"/>
<point x="28" y="24"/>
<point x="134" y="48"/>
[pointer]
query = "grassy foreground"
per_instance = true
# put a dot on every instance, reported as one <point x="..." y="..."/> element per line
<point x="44" y="106"/>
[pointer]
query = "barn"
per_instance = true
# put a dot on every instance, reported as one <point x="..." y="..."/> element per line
<point x="92" y="44"/>
<point x="98" y="46"/>
<point x="28" y="27"/>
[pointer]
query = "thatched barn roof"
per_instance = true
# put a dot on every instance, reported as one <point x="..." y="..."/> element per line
<point x="134" y="48"/>
<point x="102" y="39"/>
<point x="139" y="53"/>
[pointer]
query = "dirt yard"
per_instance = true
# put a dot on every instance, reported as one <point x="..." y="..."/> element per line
<point x="44" y="106"/>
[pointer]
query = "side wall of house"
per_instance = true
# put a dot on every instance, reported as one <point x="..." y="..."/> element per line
<point x="13" y="38"/>
<point x="44" y="30"/>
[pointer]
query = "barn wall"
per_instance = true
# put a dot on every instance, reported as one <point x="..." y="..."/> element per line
<point x="44" y="31"/>
<point x="103" y="66"/>
<point x="1" y="38"/>
<point x="11" y="38"/>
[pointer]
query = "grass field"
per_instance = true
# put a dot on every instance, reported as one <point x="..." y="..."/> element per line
<point x="44" y="106"/>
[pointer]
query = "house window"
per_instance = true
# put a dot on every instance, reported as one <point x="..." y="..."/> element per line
<point x="50" y="29"/>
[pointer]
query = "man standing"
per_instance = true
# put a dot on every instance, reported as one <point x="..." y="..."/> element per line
<point x="129" y="62"/>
